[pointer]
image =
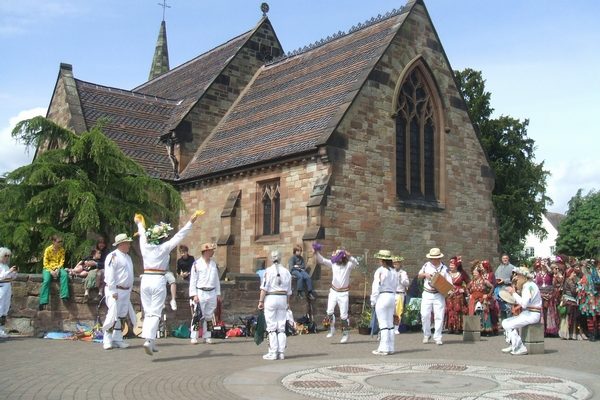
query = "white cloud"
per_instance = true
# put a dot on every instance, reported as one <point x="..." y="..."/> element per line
<point x="19" y="16"/>
<point x="13" y="154"/>
<point x="568" y="176"/>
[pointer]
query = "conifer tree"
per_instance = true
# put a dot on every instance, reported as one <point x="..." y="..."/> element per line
<point x="77" y="186"/>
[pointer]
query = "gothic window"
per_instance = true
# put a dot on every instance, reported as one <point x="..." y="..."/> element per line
<point x="416" y="141"/>
<point x="269" y="203"/>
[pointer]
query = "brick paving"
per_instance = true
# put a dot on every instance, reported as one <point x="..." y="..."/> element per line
<point x="233" y="368"/>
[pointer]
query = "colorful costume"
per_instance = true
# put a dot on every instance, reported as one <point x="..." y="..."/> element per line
<point x="480" y="302"/>
<point x="456" y="305"/>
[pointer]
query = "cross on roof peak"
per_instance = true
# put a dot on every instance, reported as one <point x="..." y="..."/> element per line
<point x="164" y="6"/>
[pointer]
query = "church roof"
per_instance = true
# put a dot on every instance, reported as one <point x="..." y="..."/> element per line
<point x="293" y="105"/>
<point x="193" y="77"/>
<point x="133" y="121"/>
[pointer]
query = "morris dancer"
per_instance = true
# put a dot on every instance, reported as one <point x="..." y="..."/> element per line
<point x="153" y="289"/>
<point x="205" y="289"/>
<point x="401" y="288"/>
<point x="530" y="300"/>
<point x="7" y="274"/>
<point x="118" y="276"/>
<point x="275" y="290"/>
<point x="432" y="299"/>
<point x="383" y="293"/>
<point x="341" y="264"/>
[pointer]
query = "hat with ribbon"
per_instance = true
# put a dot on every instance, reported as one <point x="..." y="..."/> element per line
<point x="122" y="238"/>
<point x="208" y="246"/>
<point x="384" y="255"/>
<point x="435" y="253"/>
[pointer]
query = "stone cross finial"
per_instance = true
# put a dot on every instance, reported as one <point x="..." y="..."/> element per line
<point x="264" y="7"/>
<point x="164" y="6"/>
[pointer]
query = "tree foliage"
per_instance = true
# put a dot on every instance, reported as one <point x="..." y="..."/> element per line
<point x="519" y="194"/>
<point x="579" y="231"/>
<point x="78" y="186"/>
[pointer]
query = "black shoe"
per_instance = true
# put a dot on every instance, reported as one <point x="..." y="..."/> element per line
<point x="41" y="307"/>
<point x="300" y="295"/>
<point x="311" y="296"/>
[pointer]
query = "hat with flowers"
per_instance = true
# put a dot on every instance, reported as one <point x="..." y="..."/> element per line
<point x="158" y="232"/>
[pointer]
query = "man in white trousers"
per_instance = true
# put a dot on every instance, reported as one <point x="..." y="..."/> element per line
<point x="155" y="250"/>
<point x="431" y="298"/>
<point x="530" y="301"/>
<point x="205" y="290"/>
<point x="118" y="276"/>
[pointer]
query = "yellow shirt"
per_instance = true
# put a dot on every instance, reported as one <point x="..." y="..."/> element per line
<point x="54" y="259"/>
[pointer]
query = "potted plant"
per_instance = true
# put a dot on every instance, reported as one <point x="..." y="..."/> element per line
<point x="364" y="323"/>
<point x="411" y="316"/>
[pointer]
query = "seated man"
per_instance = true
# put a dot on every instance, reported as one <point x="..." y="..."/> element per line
<point x="297" y="267"/>
<point x="184" y="263"/>
<point x="54" y="267"/>
<point x="88" y="270"/>
<point x="530" y="300"/>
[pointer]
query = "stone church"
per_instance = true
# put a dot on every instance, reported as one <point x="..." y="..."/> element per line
<point x="359" y="140"/>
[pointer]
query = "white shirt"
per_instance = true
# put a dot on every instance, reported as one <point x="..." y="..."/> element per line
<point x="384" y="280"/>
<point x="5" y="273"/>
<point x="429" y="268"/>
<point x="530" y="296"/>
<point x="118" y="271"/>
<point x="156" y="256"/>
<point x="203" y="275"/>
<point x="277" y="279"/>
<point x="403" y="281"/>
<point x="340" y="272"/>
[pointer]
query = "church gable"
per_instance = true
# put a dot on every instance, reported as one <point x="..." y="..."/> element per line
<point x="293" y="105"/>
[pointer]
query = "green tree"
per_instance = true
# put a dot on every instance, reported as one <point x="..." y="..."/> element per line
<point x="77" y="186"/>
<point x="519" y="194"/>
<point x="579" y="231"/>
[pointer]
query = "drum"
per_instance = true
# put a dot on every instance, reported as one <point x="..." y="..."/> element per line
<point x="507" y="296"/>
<point x="441" y="284"/>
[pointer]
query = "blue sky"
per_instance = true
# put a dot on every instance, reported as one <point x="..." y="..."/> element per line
<point x="541" y="60"/>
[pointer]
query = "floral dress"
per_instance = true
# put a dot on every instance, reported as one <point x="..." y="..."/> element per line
<point x="456" y="304"/>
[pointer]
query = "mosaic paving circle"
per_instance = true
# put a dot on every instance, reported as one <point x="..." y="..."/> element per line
<point x="414" y="381"/>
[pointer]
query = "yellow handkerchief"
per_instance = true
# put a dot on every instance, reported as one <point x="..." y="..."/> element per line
<point x="199" y="213"/>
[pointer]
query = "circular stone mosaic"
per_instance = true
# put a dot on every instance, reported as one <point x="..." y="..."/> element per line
<point x="413" y="381"/>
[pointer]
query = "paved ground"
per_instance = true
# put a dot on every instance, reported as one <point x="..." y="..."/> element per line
<point x="315" y="367"/>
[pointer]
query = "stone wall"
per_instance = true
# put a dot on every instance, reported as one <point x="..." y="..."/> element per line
<point x="239" y="295"/>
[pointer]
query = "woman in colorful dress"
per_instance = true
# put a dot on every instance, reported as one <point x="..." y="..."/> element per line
<point x="489" y="275"/>
<point x="480" y="296"/>
<point x="569" y="321"/>
<point x="589" y="299"/>
<point x="456" y="304"/>
<point x="544" y="279"/>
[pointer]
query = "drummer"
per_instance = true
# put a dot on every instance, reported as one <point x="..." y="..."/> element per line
<point x="431" y="298"/>
<point x="530" y="300"/>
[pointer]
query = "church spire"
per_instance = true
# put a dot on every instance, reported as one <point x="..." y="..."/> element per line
<point x="160" y="62"/>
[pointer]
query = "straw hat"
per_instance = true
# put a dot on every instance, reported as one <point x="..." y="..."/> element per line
<point x="122" y="238"/>
<point x="208" y="246"/>
<point x="435" y="253"/>
<point x="397" y="258"/>
<point x="384" y="255"/>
